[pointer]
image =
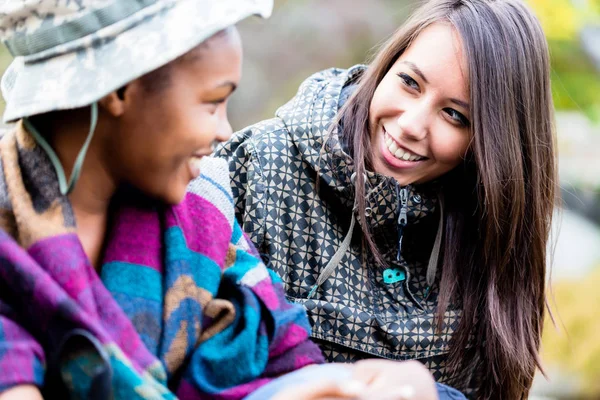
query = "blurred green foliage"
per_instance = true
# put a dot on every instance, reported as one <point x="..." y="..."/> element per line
<point x="575" y="81"/>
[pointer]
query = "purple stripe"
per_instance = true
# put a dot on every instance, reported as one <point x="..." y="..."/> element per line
<point x="19" y="366"/>
<point x="75" y="290"/>
<point x="66" y="271"/>
<point x="187" y="391"/>
<point x="40" y="293"/>
<point x="119" y="327"/>
<point x="21" y="357"/>
<point x="209" y="237"/>
<point x="268" y="294"/>
<point x="136" y="238"/>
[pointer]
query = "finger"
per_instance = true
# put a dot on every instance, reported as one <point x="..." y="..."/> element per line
<point x="402" y="392"/>
<point x="321" y="390"/>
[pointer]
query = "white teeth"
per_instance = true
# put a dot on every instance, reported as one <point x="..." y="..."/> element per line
<point x="399" y="153"/>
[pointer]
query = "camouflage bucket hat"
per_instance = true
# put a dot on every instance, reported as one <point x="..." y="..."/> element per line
<point x="71" y="53"/>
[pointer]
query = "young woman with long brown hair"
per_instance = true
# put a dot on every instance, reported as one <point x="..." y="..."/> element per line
<point x="407" y="204"/>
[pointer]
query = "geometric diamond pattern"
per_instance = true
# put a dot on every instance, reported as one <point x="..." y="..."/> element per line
<point x="298" y="222"/>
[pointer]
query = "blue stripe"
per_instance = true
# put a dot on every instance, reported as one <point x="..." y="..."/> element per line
<point x="275" y="278"/>
<point x="181" y="260"/>
<point x="218" y="186"/>
<point x="134" y="280"/>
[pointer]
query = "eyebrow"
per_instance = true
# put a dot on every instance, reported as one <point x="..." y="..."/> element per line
<point x="460" y="103"/>
<point x="416" y="69"/>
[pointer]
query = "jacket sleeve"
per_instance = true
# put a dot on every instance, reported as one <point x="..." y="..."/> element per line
<point x="265" y="337"/>
<point x="22" y="359"/>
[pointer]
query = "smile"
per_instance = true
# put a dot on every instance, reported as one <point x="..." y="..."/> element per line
<point x="398" y="152"/>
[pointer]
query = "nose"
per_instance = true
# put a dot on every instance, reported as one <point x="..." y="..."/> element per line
<point x="224" y="130"/>
<point x="414" y="122"/>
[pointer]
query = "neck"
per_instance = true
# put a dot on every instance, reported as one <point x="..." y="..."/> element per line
<point x="66" y="133"/>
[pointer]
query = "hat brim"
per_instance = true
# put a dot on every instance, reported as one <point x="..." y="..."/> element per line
<point x="81" y="77"/>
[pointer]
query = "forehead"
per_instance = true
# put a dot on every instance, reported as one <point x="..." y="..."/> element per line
<point x="438" y="52"/>
<point x="217" y="59"/>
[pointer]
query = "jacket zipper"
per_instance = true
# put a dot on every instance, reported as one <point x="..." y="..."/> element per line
<point x="402" y="221"/>
<point x="402" y="218"/>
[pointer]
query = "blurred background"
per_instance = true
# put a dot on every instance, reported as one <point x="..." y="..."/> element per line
<point x="305" y="36"/>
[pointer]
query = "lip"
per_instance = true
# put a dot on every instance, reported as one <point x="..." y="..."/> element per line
<point x="200" y="154"/>
<point x="391" y="160"/>
<point x="399" y="145"/>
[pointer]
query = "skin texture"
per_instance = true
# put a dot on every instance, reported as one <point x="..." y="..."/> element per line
<point x="422" y="106"/>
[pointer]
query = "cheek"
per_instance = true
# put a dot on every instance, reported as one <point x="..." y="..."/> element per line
<point x="203" y="129"/>
<point x="147" y="149"/>
<point x="383" y="98"/>
<point x="449" y="147"/>
<point x="174" y="137"/>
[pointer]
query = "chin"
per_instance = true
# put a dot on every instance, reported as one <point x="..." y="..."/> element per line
<point x="175" y="198"/>
<point x="403" y="181"/>
<point x="172" y="196"/>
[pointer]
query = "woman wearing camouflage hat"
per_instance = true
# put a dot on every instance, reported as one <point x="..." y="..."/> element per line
<point x="126" y="281"/>
<point x="127" y="97"/>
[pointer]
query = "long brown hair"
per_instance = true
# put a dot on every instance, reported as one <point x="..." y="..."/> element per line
<point x="499" y="202"/>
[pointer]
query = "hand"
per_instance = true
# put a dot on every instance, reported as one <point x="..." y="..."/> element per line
<point x="371" y="380"/>
<point x="326" y="390"/>
<point x="21" y="392"/>
<point x="395" y="380"/>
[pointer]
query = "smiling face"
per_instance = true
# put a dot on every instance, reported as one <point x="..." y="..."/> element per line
<point x="167" y="120"/>
<point x="419" y="115"/>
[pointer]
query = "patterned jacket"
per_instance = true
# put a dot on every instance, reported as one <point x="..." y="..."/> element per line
<point x="183" y="306"/>
<point x="299" y="221"/>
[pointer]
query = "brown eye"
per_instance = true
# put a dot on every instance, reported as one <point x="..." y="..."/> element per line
<point x="215" y="104"/>
<point x="408" y="81"/>
<point x="458" y="117"/>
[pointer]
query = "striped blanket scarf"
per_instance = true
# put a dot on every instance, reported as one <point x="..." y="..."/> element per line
<point x="182" y="306"/>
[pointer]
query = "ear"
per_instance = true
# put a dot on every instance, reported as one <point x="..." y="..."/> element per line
<point x="114" y="102"/>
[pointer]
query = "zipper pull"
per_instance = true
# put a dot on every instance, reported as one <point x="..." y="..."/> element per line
<point x="427" y="293"/>
<point x="402" y="218"/>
